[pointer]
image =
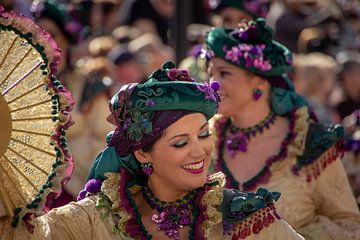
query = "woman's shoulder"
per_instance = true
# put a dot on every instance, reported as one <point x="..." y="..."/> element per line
<point x="246" y="213"/>
<point x="317" y="145"/>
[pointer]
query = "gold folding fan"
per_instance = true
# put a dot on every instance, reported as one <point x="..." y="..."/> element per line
<point x="34" y="115"/>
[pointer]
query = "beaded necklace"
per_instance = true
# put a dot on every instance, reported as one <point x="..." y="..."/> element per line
<point x="170" y="216"/>
<point x="238" y="138"/>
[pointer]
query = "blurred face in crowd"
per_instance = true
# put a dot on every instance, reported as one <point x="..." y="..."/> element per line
<point x="230" y="17"/>
<point x="181" y="157"/>
<point x="165" y="8"/>
<point x="129" y="72"/>
<point x="236" y="86"/>
<point x="59" y="38"/>
<point x="351" y="82"/>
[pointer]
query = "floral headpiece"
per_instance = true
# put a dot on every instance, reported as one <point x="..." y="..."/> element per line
<point x="250" y="46"/>
<point x="142" y="111"/>
<point x="63" y="16"/>
<point x="256" y="8"/>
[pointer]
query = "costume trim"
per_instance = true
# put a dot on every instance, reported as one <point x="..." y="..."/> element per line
<point x="254" y="224"/>
<point x="116" y="198"/>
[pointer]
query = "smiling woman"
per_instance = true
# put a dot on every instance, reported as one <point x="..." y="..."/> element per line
<point x="151" y="182"/>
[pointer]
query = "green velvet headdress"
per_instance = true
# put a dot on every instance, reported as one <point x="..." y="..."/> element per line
<point x="141" y="112"/>
<point x="251" y="48"/>
<point x="256" y="8"/>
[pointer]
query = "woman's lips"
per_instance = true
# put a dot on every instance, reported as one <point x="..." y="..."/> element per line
<point x="194" y="168"/>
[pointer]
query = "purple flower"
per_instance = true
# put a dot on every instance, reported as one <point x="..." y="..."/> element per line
<point x="82" y="195"/>
<point x="207" y="54"/>
<point x="180" y="75"/>
<point x="172" y="73"/>
<point x="252" y="56"/>
<point x="236" y="142"/>
<point x="208" y="90"/>
<point x="172" y="219"/>
<point x="93" y="186"/>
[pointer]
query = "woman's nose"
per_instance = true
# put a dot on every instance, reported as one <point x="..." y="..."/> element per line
<point x="198" y="149"/>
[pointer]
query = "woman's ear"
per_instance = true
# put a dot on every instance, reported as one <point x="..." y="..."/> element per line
<point x="261" y="83"/>
<point x="142" y="157"/>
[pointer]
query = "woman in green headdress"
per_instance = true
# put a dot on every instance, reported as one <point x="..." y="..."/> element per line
<point x="228" y="13"/>
<point x="268" y="137"/>
<point x="151" y="181"/>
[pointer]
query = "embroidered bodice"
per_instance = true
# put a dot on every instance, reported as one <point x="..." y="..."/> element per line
<point x="316" y="198"/>
<point x="112" y="213"/>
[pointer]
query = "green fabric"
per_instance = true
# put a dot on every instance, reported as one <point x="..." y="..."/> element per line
<point x="172" y="95"/>
<point x="245" y="203"/>
<point x="110" y="161"/>
<point x="279" y="56"/>
<point x="285" y="99"/>
<point x="318" y="140"/>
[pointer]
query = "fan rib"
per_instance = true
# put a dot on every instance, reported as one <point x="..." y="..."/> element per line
<point x="16" y="65"/>
<point x="10" y="206"/>
<point x="8" y="177"/>
<point x="7" y="52"/>
<point x="25" y="93"/>
<point x="36" y="148"/>
<point x="22" y="77"/>
<point x="28" y="161"/>
<point x="31" y="132"/>
<point x="31" y="119"/>
<point x="30" y="106"/>
<point x="21" y="173"/>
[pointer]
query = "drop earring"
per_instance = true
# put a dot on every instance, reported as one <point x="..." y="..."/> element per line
<point x="257" y="94"/>
<point x="147" y="168"/>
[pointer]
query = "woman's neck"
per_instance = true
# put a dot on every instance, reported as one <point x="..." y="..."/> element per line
<point x="165" y="193"/>
<point x="250" y="116"/>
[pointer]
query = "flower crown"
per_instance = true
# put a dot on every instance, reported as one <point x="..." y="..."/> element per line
<point x="249" y="46"/>
<point x="251" y="54"/>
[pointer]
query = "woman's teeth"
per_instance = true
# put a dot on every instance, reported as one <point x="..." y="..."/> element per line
<point x="194" y="166"/>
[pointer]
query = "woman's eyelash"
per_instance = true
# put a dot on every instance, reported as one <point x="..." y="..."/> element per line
<point x="224" y="73"/>
<point x="205" y="135"/>
<point x="180" y="144"/>
<point x="184" y="143"/>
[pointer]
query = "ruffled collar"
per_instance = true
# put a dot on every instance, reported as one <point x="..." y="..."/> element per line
<point x="292" y="146"/>
<point x="116" y="200"/>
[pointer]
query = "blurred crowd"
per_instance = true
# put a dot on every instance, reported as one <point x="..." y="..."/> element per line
<point x="108" y="43"/>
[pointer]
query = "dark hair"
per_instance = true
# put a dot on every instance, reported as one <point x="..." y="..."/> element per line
<point x="149" y="147"/>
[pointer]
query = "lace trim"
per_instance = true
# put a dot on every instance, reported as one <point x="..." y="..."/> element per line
<point x="110" y="189"/>
<point x="297" y="146"/>
<point x="213" y="199"/>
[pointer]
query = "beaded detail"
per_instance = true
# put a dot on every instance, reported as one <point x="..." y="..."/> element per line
<point x="238" y="138"/>
<point x="171" y="217"/>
